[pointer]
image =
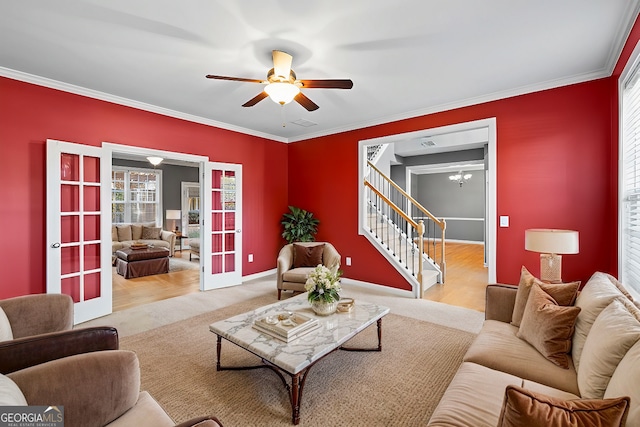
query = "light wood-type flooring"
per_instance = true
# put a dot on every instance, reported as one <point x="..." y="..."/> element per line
<point x="464" y="286"/>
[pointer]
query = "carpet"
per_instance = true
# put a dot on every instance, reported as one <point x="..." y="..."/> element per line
<point x="180" y="264"/>
<point x="399" y="386"/>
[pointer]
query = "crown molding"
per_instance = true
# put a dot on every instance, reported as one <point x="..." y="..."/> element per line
<point x="523" y="90"/>
<point x="90" y="93"/>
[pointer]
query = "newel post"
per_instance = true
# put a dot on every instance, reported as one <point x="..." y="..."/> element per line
<point x="420" y="231"/>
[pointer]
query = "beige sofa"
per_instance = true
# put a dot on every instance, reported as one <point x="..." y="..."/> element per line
<point x="95" y="390"/>
<point x="292" y="273"/>
<point x="604" y="360"/>
<point x="123" y="235"/>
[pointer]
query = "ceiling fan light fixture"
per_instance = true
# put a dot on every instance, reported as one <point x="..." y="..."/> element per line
<point x="282" y="93"/>
<point x="155" y="161"/>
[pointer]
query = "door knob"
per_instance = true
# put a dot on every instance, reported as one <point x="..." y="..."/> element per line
<point x="55" y="245"/>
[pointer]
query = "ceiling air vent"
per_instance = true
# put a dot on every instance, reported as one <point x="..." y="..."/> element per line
<point x="304" y="123"/>
<point x="427" y="143"/>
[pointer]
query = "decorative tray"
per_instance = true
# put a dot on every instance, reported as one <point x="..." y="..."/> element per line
<point x="286" y="326"/>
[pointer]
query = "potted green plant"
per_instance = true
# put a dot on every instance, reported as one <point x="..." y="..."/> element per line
<point x="299" y="225"/>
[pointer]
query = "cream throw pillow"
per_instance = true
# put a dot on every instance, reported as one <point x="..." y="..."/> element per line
<point x="594" y="297"/>
<point x="124" y="233"/>
<point x="624" y="382"/>
<point x="548" y="327"/>
<point x="614" y="332"/>
<point x="6" y="333"/>
<point x="10" y="393"/>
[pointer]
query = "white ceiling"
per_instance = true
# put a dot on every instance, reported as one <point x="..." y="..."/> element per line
<point x="405" y="57"/>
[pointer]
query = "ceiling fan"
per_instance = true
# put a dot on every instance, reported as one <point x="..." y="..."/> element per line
<point x="282" y="85"/>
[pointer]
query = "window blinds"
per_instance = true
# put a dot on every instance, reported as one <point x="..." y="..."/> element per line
<point x="630" y="182"/>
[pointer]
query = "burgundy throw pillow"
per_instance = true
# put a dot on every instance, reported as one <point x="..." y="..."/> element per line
<point x="523" y="407"/>
<point x="307" y="256"/>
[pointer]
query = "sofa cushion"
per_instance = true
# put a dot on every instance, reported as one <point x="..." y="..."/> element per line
<point x="594" y="297"/>
<point x="525" y="408"/>
<point x="150" y="233"/>
<point x="473" y="398"/>
<point x="145" y="413"/>
<point x="549" y="391"/>
<point x="498" y="347"/>
<point x="6" y="333"/>
<point x="614" y="332"/>
<point x="307" y="256"/>
<point x="624" y="382"/>
<point x="10" y="394"/>
<point x="124" y="232"/>
<point x="548" y="327"/>
<point x="114" y="233"/>
<point x="563" y="293"/>
<point x="297" y="275"/>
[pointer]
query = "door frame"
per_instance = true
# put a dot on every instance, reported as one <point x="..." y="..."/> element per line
<point x="491" y="177"/>
<point x="110" y="148"/>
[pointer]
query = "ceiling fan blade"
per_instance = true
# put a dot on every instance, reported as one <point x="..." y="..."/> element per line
<point x="235" y="79"/>
<point x="305" y="102"/>
<point x="327" y="84"/>
<point x="253" y="101"/>
<point x="282" y="63"/>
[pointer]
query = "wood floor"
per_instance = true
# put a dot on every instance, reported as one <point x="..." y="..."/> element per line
<point x="465" y="279"/>
<point x="464" y="286"/>
<point x="129" y="293"/>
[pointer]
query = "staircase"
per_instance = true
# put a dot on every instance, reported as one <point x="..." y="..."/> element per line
<point x="409" y="236"/>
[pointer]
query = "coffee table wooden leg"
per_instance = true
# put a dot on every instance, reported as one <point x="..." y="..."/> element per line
<point x="296" y="391"/>
<point x="378" y="348"/>
<point x="218" y="350"/>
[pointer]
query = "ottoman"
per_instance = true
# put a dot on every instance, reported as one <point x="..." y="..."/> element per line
<point x="132" y="263"/>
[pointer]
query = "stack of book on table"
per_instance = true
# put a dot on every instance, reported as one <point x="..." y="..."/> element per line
<point x="286" y="326"/>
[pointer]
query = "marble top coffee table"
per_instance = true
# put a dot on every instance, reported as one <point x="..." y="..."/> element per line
<point x="295" y="358"/>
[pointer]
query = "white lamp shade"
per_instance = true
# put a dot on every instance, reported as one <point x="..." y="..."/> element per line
<point x="173" y="214"/>
<point x="282" y="93"/>
<point x="551" y="241"/>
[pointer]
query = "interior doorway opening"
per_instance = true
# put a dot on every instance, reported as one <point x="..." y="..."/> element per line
<point x="185" y="271"/>
<point x="413" y="154"/>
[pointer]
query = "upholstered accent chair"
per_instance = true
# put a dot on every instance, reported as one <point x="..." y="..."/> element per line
<point x="38" y="328"/>
<point x="296" y="260"/>
<point x="96" y="389"/>
<point x="194" y="244"/>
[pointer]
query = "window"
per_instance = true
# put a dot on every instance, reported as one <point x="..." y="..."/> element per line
<point x="135" y="195"/>
<point x="629" y="184"/>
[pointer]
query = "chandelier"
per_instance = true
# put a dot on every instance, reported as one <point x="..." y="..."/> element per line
<point x="460" y="178"/>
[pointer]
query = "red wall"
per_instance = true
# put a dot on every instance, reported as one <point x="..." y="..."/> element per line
<point x="556" y="167"/>
<point x="553" y="166"/>
<point x="30" y="114"/>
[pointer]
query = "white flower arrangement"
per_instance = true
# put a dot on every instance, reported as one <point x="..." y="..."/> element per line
<point x="323" y="284"/>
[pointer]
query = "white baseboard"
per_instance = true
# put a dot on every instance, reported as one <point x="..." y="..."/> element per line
<point x="259" y="275"/>
<point x="377" y="287"/>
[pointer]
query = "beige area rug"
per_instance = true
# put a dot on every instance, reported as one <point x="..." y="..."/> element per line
<point x="180" y="264"/>
<point x="399" y="386"/>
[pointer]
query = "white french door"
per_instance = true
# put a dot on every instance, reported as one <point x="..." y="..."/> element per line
<point x="221" y="222"/>
<point x="77" y="261"/>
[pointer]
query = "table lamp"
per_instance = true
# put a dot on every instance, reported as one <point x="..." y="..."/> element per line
<point x="551" y="244"/>
<point x="174" y="215"/>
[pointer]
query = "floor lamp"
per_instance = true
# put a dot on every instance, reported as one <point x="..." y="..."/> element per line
<point x="551" y="243"/>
